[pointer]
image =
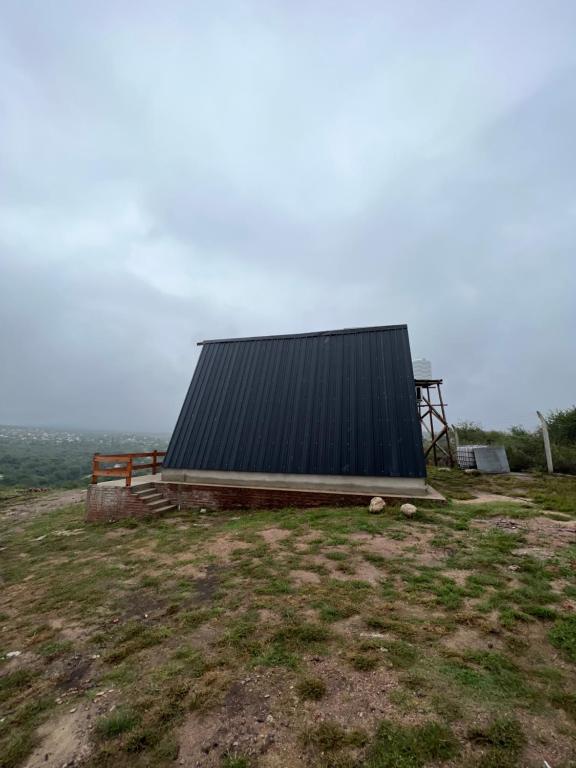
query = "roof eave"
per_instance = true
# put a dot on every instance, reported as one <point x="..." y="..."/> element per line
<point x="340" y="332"/>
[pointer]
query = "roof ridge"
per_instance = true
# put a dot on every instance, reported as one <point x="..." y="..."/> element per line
<point x="310" y="334"/>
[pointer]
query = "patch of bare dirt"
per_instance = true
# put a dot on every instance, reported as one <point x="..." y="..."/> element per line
<point x="70" y="631"/>
<point x="117" y="533"/>
<point x="140" y="605"/>
<point x="204" y="635"/>
<point x="146" y="552"/>
<point x="41" y="503"/>
<point x="266" y="616"/>
<point x="353" y="626"/>
<point x="207" y="586"/>
<point x="559" y="585"/>
<point x="470" y="639"/>
<point x="325" y="562"/>
<point x="554" y="744"/>
<point x="274" y="535"/>
<point x="558" y="533"/>
<point x="416" y="546"/>
<point x="25" y="660"/>
<point x="567" y="604"/>
<point x="541" y="533"/>
<point x="459" y="577"/>
<point x="482" y="497"/>
<point x="64" y="741"/>
<point x="243" y="723"/>
<point x="224" y="546"/>
<point x="190" y="569"/>
<point x="306" y="540"/>
<point x="261" y="715"/>
<point x="362" y="571"/>
<point x="538" y="553"/>
<point x="301" y="578"/>
<point x="354" y="699"/>
<point x="177" y="523"/>
<point x="73" y="674"/>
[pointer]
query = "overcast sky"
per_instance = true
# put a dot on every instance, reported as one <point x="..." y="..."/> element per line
<point x="174" y="171"/>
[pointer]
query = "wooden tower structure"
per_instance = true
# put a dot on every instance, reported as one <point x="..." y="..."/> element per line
<point x="432" y="413"/>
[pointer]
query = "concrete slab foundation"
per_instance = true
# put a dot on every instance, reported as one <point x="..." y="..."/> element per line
<point x="376" y="486"/>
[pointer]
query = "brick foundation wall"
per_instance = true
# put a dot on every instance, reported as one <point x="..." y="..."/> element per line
<point x="242" y="497"/>
<point x="110" y="504"/>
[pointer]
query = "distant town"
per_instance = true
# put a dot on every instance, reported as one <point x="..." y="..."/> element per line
<point x="43" y="457"/>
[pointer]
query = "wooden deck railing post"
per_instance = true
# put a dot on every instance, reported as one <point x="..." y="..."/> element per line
<point x="154" y="461"/>
<point x="94" y="468"/>
<point x="129" y="473"/>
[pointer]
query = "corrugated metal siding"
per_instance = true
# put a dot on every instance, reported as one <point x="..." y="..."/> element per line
<point x="334" y="403"/>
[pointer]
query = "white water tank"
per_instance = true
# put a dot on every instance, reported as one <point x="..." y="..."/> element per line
<point x="422" y="368"/>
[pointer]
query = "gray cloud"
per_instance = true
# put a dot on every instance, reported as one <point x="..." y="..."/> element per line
<point x="180" y="171"/>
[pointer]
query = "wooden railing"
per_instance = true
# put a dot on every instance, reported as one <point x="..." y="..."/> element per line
<point x="128" y="465"/>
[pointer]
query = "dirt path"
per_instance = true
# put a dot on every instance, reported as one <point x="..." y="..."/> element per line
<point x="38" y="503"/>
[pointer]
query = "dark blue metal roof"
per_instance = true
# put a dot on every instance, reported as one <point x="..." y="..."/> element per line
<point x="327" y="403"/>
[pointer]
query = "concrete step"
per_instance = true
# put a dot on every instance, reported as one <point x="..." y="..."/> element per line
<point x="161" y="501"/>
<point x="166" y="508"/>
<point x="138" y="490"/>
<point x="150" y="495"/>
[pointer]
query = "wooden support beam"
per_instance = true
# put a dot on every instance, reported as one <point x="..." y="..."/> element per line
<point x="433" y="420"/>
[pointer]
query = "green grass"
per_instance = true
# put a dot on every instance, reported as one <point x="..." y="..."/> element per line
<point x="120" y="721"/>
<point x="14" y="682"/>
<point x="563" y="636"/>
<point x="502" y="739"/>
<point x="490" y="676"/>
<point x="236" y="761"/>
<point x="565" y="701"/>
<point x="20" y="725"/>
<point x="55" y="648"/>
<point x="548" y="492"/>
<point x="16" y="747"/>
<point x="363" y="661"/>
<point x="330" y="736"/>
<point x="134" y="637"/>
<point x="397" y="746"/>
<point x="400" y="654"/>
<point x="302" y="633"/>
<point x="331" y="612"/>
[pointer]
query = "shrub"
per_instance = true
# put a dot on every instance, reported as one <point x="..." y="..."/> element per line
<point x="525" y="448"/>
<point x="562" y="426"/>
